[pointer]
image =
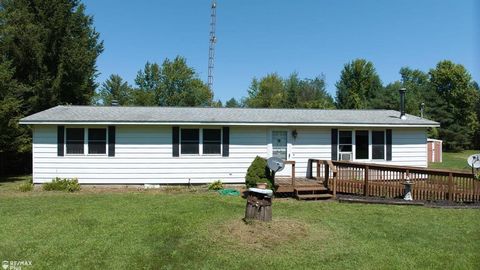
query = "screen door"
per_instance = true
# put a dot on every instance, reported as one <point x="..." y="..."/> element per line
<point x="279" y="144"/>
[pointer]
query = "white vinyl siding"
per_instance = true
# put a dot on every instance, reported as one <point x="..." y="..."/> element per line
<point x="143" y="154"/>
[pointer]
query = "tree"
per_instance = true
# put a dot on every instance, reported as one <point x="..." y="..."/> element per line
<point x="13" y="137"/>
<point x="358" y="84"/>
<point x="459" y="98"/>
<point x="53" y="48"/>
<point x="48" y="51"/>
<point x="273" y="91"/>
<point x="312" y="94"/>
<point x="292" y="85"/>
<point x="232" y="103"/>
<point x="418" y="90"/>
<point x="476" y="139"/>
<point x="115" y="88"/>
<point x="173" y="83"/>
<point x="267" y="92"/>
<point x="148" y="83"/>
<point x="217" y="104"/>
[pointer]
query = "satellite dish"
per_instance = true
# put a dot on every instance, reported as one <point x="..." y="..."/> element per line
<point x="474" y="161"/>
<point x="275" y="164"/>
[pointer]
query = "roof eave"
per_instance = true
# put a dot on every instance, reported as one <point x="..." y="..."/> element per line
<point x="135" y="123"/>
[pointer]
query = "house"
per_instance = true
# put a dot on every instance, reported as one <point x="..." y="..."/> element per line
<point x="160" y="145"/>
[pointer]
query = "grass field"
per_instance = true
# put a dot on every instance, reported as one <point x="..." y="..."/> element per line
<point x="455" y="161"/>
<point x="202" y="230"/>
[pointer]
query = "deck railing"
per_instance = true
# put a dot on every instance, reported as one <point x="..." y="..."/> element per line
<point x="388" y="181"/>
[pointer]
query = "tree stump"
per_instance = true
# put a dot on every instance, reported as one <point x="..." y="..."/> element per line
<point x="259" y="204"/>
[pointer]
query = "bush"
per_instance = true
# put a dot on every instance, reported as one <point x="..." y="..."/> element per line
<point x="258" y="172"/>
<point x="26" y="187"/>
<point x="65" y="184"/>
<point x="217" y="185"/>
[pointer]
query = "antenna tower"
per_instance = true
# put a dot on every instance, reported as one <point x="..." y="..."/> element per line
<point x="213" y="40"/>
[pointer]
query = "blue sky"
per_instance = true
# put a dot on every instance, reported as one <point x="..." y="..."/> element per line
<point x="309" y="37"/>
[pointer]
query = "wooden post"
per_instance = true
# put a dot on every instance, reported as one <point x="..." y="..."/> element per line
<point x="365" y="179"/>
<point x="318" y="169"/>
<point x="450" y="186"/>
<point x="293" y="174"/>
<point x="327" y="174"/>
<point x="334" y="184"/>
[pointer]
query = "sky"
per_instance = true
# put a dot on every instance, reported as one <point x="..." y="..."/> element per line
<point x="255" y="38"/>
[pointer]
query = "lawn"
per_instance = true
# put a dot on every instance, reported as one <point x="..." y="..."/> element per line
<point x="202" y="230"/>
<point x="455" y="161"/>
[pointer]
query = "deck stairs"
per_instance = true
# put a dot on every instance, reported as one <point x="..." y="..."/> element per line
<point x="312" y="192"/>
<point x="303" y="189"/>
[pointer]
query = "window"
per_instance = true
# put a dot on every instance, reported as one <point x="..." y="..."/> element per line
<point x="212" y="141"/>
<point x="75" y="140"/>
<point x="345" y="141"/>
<point x="361" y="144"/>
<point x="189" y="139"/>
<point x="97" y="141"/>
<point x="378" y="145"/>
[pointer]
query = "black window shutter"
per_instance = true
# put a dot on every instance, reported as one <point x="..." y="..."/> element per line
<point x="226" y="141"/>
<point x="175" y="139"/>
<point x="60" y="140"/>
<point x="334" y="144"/>
<point x="389" y="144"/>
<point x="111" y="141"/>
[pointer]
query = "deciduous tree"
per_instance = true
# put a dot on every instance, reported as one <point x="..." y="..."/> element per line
<point x="358" y="84"/>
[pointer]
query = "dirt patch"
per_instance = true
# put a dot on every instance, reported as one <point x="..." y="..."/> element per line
<point x="264" y="235"/>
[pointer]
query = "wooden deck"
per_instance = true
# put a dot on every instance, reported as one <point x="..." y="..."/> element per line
<point x="378" y="180"/>
<point x="284" y="184"/>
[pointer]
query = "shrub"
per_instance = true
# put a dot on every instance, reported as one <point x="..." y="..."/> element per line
<point x="65" y="184"/>
<point x="217" y="185"/>
<point x="258" y="172"/>
<point x="26" y="187"/>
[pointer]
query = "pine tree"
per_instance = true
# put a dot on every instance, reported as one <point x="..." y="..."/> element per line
<point x="53" y="48"/>
<point x="115" y="88"/>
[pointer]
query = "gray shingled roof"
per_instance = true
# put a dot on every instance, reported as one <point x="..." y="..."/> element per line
<point x="165" y="115"/>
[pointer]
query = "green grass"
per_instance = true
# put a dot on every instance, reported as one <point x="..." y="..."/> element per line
<point x="11" y="183"/>
<point x="454" y="161"/>
<point x="186" y="230"/>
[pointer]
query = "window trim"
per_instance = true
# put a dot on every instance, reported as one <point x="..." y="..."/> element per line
<point x="370" y="145"/>
<point x="85" y="141"/>
<point x="352" y="131"/>
<point x="221" y="143"/>
<point x="200" y="142"/>
<point x="384" y="145"/>
<point x="65" y="141"/>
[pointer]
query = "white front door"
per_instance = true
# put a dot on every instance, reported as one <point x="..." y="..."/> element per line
<point x="280" y="149"/>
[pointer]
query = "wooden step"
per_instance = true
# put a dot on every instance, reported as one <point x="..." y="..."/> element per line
<point x="311" y="188"/>
<point x="314" y="196"/>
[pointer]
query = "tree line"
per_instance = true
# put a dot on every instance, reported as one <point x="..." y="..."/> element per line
<point x="48" y="53"/>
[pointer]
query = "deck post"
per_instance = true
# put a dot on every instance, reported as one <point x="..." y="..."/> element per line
<point x="318" y="169"/>
<point x="327" y="174"/>
<point x="293" y="174"/>
<point x="450" y="186"/>
<point x="365" y="179"/>
<point x="334" y="184"/>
